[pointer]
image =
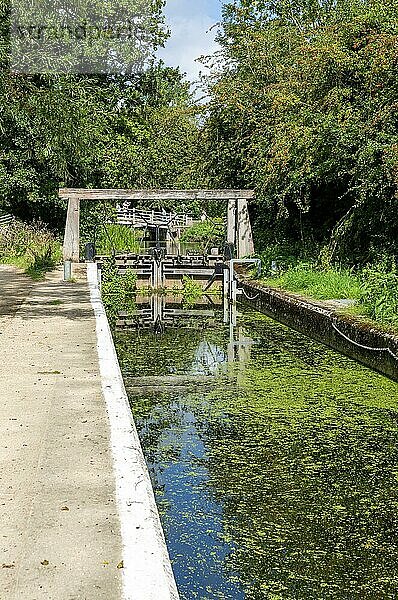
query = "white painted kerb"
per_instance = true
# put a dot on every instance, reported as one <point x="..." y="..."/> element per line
<point x="147" y="573"/>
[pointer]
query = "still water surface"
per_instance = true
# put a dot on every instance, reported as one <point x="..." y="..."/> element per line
<point x="274" y="460"/>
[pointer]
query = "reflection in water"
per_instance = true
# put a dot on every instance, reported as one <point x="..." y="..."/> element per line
<point x="279" y="478"/>
<point x="193" y="517"/>
<point x="158" y="312"/>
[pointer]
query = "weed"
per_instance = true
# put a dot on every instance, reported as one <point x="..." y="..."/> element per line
<point x="192" y="290"/>
<point x="379" y="287"/>
<point x="118" y="290"/>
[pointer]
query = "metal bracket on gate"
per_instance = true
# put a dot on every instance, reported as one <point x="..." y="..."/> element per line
<point x="231" y="290"/>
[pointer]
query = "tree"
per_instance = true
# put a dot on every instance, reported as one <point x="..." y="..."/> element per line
<point x="303" y="109"/>
<point x="152" y="132"/>
<point x="81" y="130"/>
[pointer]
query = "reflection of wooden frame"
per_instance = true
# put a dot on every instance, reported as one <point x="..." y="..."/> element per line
<point x="239" y="231"/>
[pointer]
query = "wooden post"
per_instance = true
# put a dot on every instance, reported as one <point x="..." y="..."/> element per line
<point x="231" y="226"/>
<point x="71" y="250"/>
<point x="245" y="244"/>
<point x="170" y="242"/>
<point x="157" y="274"/>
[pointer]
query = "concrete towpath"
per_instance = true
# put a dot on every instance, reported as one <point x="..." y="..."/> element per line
<point x="60" y="531"/>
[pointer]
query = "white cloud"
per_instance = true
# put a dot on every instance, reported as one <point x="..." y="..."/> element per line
<point x="192" y="36"/>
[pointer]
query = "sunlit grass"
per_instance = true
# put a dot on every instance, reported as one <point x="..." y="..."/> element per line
<point x="322" y="285"/>
<point x="374" y="289"/>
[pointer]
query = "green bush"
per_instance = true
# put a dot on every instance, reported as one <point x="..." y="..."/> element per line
<point x="303" y="109"/>
<point x="379" y="291"/>
<point x="118" y="290"/>
<point x="205" y="234"/>
<point x="192" y="291"/>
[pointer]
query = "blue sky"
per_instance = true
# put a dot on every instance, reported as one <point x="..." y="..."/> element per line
<point x="190" y="21"/>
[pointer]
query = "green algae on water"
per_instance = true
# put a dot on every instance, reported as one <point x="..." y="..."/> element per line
<point x="278" y="480"/>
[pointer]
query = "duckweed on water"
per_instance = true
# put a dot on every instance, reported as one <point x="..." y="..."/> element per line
<point x="279" y="480"/>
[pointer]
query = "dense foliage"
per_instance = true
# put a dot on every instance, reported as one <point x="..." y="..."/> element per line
<point x="91" y="132"/>
<point x="151" y="132"/>
<point x="132" y="129"/>
<point x="303" y="108"/>
<point x="205" y="234"/>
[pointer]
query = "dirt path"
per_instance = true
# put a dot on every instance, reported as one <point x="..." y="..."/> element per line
<point x="60" y="534"/>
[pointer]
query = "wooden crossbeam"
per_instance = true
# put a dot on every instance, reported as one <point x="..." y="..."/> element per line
<point x="110" y="194"/>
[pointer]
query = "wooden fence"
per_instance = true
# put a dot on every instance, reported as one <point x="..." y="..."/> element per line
<point x="5" y="219"/>
<point x="135" y="217"/>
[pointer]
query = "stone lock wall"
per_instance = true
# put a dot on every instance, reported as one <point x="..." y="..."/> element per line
<point x="328" y="326"/>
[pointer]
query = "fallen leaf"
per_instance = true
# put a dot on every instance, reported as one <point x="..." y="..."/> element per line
<point x="45" y="563"/>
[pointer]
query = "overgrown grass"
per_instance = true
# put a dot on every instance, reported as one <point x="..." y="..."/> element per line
<point x="379" y="286"/>
<point x="374" y="288"/>
<point x="31" y="247"/>
<point x="114" y="238"/>
<point x="319" y="284"/>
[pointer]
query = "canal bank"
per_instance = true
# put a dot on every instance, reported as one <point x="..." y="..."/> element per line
<point x="64" y="533"/>
<point x="325" y="322"/>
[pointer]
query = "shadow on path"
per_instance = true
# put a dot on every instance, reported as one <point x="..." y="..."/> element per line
<point x="49" y="297"/>
<point x="14" y="289"/>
